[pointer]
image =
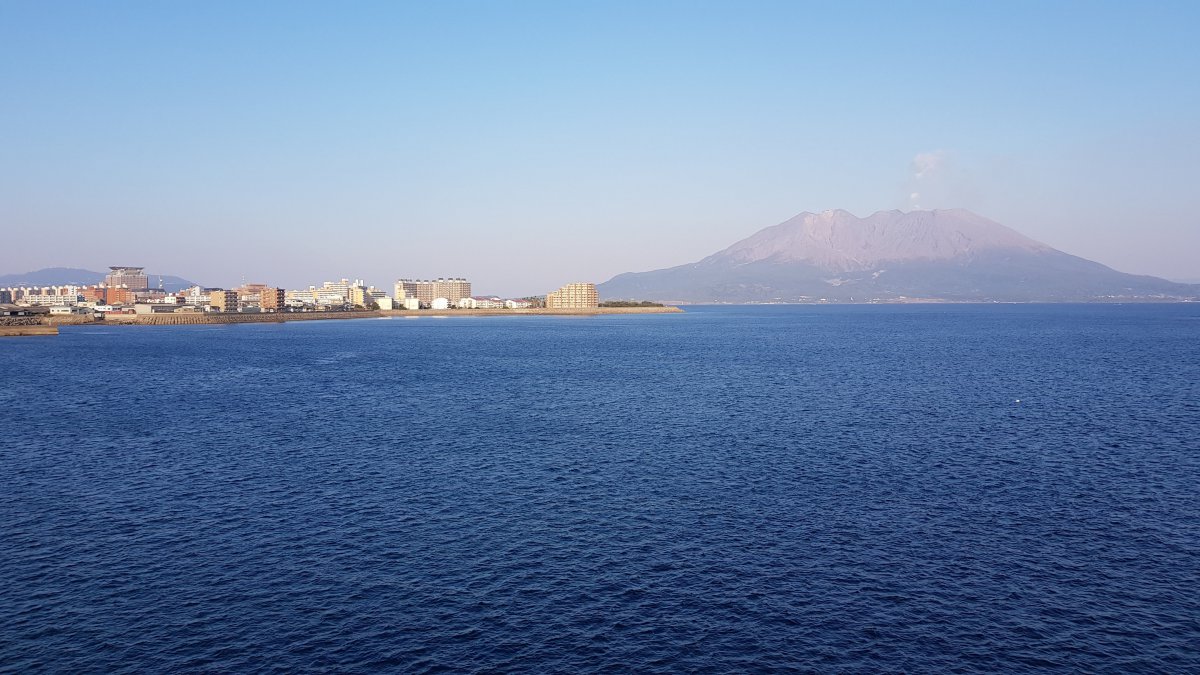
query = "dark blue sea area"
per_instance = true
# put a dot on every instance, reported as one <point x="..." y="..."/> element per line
<point x="935" y="488"/>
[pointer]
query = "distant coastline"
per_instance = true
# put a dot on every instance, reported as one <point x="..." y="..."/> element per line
<point x="49" y="325"/>
<point x="279" y="317"/>
<point x="1139" y="300"/>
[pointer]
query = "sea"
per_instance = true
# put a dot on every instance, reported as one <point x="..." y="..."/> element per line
<point x="918" y="488"/>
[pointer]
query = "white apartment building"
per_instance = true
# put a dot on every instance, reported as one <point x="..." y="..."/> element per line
<point x="196" y="296"/>
<point x="329" y="293"/>
<point x="427" y="290"/>
<point x="47" y="299"/>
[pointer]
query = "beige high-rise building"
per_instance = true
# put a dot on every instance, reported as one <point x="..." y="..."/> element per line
<point x="573" y="296"/>
<point x="268" y="298"/>
<point x="133" y="278"/>
<point x="225" y="301"/>
<point x="271" y="299"/>
<point x="426" y="291"/>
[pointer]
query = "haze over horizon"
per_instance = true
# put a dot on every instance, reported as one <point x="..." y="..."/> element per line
<point x="532" y="144"/>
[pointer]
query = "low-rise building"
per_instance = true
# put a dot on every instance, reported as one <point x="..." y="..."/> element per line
<point x="18" y="310"/>
<point x="488" y="303"/>
<point x="155" y="308"/>
<point x="149" y="295"/>
<point x="59" y="310"/>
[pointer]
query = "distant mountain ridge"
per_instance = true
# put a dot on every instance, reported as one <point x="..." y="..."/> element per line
<point x="63" y="276"/>
<point x="950" y="254"/>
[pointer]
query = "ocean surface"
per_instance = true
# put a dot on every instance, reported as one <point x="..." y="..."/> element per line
<point x="734" y="489"/>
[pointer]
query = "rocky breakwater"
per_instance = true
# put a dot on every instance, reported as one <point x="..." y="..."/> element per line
<point x="17" y="326"/>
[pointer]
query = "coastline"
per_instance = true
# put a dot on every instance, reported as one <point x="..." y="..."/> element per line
<point x="669" y="309"/>
<point x="50" y="325"/>
<point x="195" y="319"/>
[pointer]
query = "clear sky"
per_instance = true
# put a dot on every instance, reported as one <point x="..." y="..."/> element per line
<point x="528" y="144"/>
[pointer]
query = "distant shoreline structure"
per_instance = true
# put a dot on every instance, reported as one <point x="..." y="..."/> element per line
<point x="281" y="317"/>
<point x="1137" y="300"/>
<point x="48" y="325"/>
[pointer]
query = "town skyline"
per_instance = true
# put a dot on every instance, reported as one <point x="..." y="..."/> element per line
<point x="61" y="274"/>
<point x="981" y="260"/>
<point x="127" y="289"/>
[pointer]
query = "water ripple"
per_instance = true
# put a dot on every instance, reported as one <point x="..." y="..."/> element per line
<point x="733" y="489"/>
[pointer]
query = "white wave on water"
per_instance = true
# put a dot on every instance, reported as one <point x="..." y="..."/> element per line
<point x="335" y="357"/>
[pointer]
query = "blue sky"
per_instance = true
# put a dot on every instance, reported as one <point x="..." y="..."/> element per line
<point x="529" y="144"/>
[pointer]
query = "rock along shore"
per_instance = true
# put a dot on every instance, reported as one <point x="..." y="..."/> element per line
<point x="19" y="331"/>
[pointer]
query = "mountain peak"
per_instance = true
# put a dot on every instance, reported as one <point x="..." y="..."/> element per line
<point x="837" y="240"/>
<point x="948" y="254"/>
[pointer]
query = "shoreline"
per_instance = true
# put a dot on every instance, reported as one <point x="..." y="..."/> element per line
<point x="50" y="325"/>
<point x="281" y="317"/>
<point x="531" y="311"/>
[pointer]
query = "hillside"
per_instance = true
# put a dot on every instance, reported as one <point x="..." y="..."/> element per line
<point x="60" y="276"/>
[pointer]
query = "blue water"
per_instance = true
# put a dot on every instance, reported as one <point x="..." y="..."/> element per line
<point x="731" y="489"/>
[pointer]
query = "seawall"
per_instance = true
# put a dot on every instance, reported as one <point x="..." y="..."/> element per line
<point x="19" y="331"/>
<point x="198" y="319"/>
<point x="531" y="311"/>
